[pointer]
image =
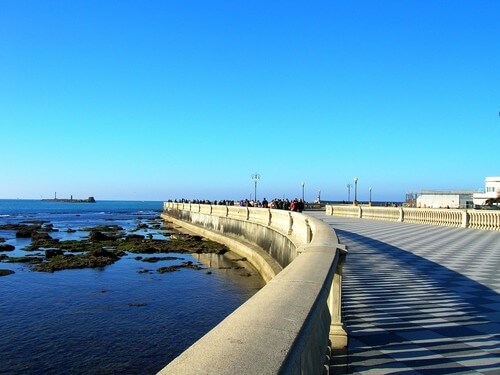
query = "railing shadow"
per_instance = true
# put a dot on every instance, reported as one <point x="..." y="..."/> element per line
<point x="407" y="314"/>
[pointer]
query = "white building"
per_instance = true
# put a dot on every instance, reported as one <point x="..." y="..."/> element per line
<point x="491" y="194"/>
<point x="445" y="199"/>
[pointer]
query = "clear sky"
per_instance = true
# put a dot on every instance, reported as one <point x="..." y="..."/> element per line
<point x="151" y="100"/>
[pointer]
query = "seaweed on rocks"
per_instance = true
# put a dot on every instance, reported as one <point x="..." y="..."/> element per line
<point x="105" y="245"/>
<point x="157" y="259"/>
<point x="89" y="260"/>
<point x="25" y="259"/>
<point x="177" y="267"/>
<point x="103" y="228"/>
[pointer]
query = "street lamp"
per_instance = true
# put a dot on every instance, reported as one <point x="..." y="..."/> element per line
<point x="255" y="178"/>
<point x="319" y="196"/>
<point x="303" y="191"/>
<point x="370" y="196"/>
<point x="355" y="190"/>
<point x="349" y="186"/>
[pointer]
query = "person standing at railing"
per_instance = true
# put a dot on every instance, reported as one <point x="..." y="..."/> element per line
<point x="265" y="203"/>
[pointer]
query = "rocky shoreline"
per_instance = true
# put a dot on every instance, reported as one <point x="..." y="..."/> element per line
<point x="104" y="245"/>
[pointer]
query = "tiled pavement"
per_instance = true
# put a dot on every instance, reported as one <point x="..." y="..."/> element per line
<point x="420" y="298"/>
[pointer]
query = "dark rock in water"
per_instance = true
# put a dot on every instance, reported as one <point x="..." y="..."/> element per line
<point x="48" y="228"/>
<point x="37" y="236"/>
<point x="63" y="262"/>
<point x="6" y="247"/>
<point x="188" y="264"/>
<point x="157" y="259"/>
<point x="4" y="257"/>
<point x="137" y="304"/>
<point x="24" y="233"/>
<point x="134" y="237"/>
<point x="103" y="228"/>
<point x="2" y="239"/>
<point x="69" y="230"/>
<point x="53" y="253"/>
<point x="99" y="236"/>
<point x="4" y="272"/>
<point x="138" y="258"/>
<point x="102" y="253"/>
<point x="27" y="259"/>
<point x="167" y="269"/>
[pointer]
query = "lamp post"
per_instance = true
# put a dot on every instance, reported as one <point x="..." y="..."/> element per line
<point x="349" y="186"/>
<point x="255" y="178"/>
<point x="303" y="191"/>
<point x="355" y="191"/>
<point x="370" y="196"/>
<point x="319" y="196"/>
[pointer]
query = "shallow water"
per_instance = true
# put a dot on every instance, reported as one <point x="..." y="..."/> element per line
<point x="110" y="320"/>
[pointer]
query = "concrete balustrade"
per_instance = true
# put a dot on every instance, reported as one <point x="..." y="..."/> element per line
<point x="448" y="217"/>
<point x="474" y="219"/>
<point x="487" y="220"/>
<point x="380" y="213"/>
<point x="291" y="325"/>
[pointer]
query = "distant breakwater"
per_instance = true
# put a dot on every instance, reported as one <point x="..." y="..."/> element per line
<point x="71" y="200"/>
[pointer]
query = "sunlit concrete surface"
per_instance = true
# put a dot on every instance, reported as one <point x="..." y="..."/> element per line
<point x="420" y="298"/>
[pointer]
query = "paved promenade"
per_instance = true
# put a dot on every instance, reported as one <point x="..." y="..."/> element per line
<point x="420" y="298"/>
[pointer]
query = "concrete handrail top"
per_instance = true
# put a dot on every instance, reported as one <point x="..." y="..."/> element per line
<point x="322" y="233"/>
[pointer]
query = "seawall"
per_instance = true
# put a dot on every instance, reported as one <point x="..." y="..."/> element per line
<point x="290" y="325"/>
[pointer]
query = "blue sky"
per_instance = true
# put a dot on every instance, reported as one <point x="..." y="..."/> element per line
<point x="152" y="100"/>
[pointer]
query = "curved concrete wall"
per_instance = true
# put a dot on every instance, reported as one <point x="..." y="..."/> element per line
<point x="289" y="324"/>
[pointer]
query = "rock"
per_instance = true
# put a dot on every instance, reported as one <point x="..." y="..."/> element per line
<point x="24" y="233"/>
<point x="2" y="239"/>
<point x="53" y="253"/>
<point x="4" y="272"/>
<point x="102" y="253"/>
<point x="37" y="236"/>
<point x="25" y="259"/>
<point x="69" y="230"/>
<point x="167" y="269"/>
<point x="6" y="247"/>
<point x="157" y="259"/>
<point x="134" y="237"/>
<point x="97" y="236"/>
<point x="137" y="304"/>
<point x="187" y="264"/>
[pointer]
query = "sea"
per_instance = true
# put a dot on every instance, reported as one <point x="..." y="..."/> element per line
<point x="110" y="320"/>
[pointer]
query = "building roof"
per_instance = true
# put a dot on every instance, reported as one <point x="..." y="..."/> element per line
<point x="447" y="192"/>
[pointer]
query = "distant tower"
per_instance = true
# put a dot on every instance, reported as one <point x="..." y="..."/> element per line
<point x="55" y="195"/>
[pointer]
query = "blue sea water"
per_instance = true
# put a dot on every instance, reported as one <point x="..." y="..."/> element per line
<point x="110" y="320"/>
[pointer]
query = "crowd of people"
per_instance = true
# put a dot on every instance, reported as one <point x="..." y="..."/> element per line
<point x="296" y="205"/>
